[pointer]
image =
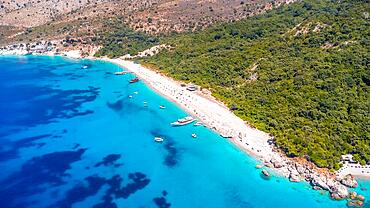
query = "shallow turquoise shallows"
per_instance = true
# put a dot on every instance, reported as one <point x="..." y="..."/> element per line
<point x="76" y="137"/>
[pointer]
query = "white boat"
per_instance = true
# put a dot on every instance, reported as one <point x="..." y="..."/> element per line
<point x="198" y="123"/>
<point x="162" y="107"/>
<point x="183" y="121"/>
<point x="121" y="73"/>
<point x="136" y="93"/>
<point x="265" y="173"/>
<point x="192" y="87"/>
<point x="226" y="136"/>
<point x="158" y="139"/>
<point x="194" y="136"/>
<point x="130" y="96"/>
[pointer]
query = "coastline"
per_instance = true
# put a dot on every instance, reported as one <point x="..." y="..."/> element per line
<point x="210" y="112"/>
<point x="189" y="170"/>
<point x="207" y="111"/>
<point x="220" y="119"/>
<point x="251" y="141"/>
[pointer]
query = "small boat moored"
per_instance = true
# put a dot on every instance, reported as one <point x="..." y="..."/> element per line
<point x="226" y="136"/>
<point x="192" y="87"/>
<point x="120" y="73"/>
<point x="265" y="173"/>
<point x="158" y="139"/>
<point x="183" y="121"/>
<point x="194" y="136"/>
<point x="134" y="80"/>
<point x="84" y="67"/>
<point x="162" y="107"/>
<point x="198" y="123"/>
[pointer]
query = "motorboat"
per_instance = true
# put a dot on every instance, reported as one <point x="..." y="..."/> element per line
<point x="192" y="87"/>
<point x="198" y="123"/>
<point x="265" y="173"/>
<point x="183" y="121"/>
<point x="194" y="136"/>
<point x="120" y="73"/>
<point x="134" y="80"/>
<point x="226" y="136"/>
<point x="158" y="139"/>
<point x="162" y="107"/>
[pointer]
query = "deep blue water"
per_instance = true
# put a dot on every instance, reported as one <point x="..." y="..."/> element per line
<point x="72" y="137"/>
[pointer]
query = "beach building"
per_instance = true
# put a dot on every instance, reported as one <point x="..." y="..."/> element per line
<point x="192" y="87"/>
<point x="348" y="158"/>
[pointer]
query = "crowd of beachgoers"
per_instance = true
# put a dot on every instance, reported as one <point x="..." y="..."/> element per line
<point x="218" y="117"/>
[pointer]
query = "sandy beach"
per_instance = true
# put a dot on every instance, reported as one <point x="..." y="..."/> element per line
<point x="361" y="171"/>
<point x="219" y="118"/>
<point x="213" y="114"/>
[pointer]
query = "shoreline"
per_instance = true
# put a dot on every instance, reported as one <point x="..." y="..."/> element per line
<point x="251" y="141"/>
<point x="259" y="139"/>
<point x="189" y="101"/>
<point x="180" y="105"/>
<point x="220" y="119"/>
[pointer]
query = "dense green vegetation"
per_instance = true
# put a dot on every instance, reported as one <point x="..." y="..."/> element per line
<point x="299" y="72"/>
<point x="310" y="90"/>
<point x="120" y="40"/>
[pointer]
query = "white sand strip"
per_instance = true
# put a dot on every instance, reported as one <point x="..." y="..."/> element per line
<point x="362" y="171"/>
<point x="215" y="115"/>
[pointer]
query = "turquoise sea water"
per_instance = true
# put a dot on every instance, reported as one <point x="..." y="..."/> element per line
<point x="72" y="137"/>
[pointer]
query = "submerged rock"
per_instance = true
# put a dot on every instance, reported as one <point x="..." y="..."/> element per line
<point x="355" y="203"/>
<point x="361" y="198"/>
<point x="353" y="195"/>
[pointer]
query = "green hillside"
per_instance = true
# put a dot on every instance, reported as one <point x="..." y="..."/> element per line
<point x="300" y="72"/>
<point x="117" y="39"/>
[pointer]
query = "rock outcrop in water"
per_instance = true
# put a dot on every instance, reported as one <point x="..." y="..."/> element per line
<point x="320" y="180"/>
<point x="355" y="200"/>
<point x="349" y="181"/>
